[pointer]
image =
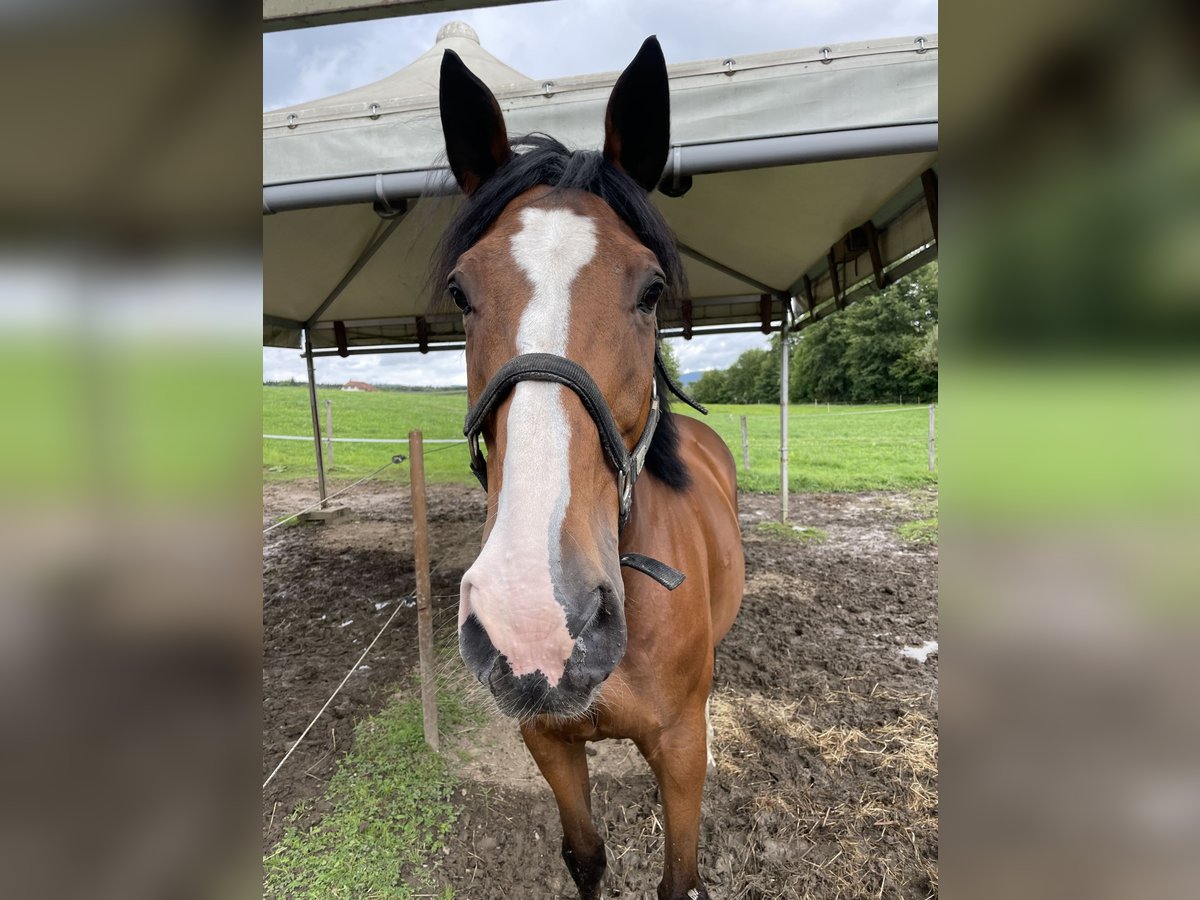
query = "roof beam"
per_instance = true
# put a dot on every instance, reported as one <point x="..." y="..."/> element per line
<point x="671" y="332"/>
<point x="699" y="257"/>
<point x="794" y="149"/>
<point x="693" y="159"/>
<point x="749" y="300"/>
<point x="867" y="286"/>
<point x="929" y="183"/>
<point x="873" y="248"/>
<point x="394" y="348"/>
<point x="363" y="258"/>
<point x="281" y="322"/>
<point x="821" y="277"/>
<point x="699" y="331"/>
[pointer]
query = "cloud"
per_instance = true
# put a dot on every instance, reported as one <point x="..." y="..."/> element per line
<point x="714" y="351"/>
<point x="439" y="369"/>
<point x="586" y="36"/>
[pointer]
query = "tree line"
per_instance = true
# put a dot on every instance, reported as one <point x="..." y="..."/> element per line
<point x="881" y="349"/>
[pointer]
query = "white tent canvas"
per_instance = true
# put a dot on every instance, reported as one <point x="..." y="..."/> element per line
<point x="783" y="161"/>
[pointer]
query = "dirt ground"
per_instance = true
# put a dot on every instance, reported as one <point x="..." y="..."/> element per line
<point x="825" y="783"/>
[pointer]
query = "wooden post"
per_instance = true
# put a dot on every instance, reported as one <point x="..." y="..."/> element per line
<point x="931" y="444"/>
<point x="745" y="446"/>
<point x="416" y="462"/>
<point x="329" y="431"/>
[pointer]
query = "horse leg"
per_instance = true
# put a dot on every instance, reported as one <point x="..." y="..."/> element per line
<point x="680" y="762"/>
<point x="708" y="725"/>
<point x="564" y="766"/>
<point x="710" y="761"/>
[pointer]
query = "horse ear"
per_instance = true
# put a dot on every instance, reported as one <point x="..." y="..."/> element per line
<point x="472" y="124"/>
<point x="637" y="126"/>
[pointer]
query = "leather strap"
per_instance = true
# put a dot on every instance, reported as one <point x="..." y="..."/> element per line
<point x="675" y="388"/>
<point x="628" y="465"/>
<point x="660" y="572"/>
<point x="548" y="367"/>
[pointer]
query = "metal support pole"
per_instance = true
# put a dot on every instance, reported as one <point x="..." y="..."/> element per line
<point x="932" y="431"/>
<point x="316" y="416"/>
<point x="783" y="419"/>
<point x="416" y="457"/>
<point x="329" y="430"/>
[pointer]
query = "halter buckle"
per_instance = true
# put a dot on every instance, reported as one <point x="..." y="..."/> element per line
<point x="624" y="495"/>
<point x="478" y="463"/>
<point x="638" y="457"/>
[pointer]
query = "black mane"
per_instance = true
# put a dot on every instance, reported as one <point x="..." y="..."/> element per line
<point x="541" y="160"/>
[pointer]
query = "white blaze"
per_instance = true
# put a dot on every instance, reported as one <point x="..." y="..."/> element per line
<point x="510" y="588"/>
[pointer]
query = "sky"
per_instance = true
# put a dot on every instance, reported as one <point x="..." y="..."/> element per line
<point x="553" y="39"/>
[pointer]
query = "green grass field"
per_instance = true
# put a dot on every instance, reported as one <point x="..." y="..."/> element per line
<point x="390" y="811"/>
<point x="385" y="414"/>
<point x="839" y="448"/>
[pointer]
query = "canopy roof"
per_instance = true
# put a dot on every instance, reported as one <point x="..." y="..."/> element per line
<point x="782" y="162"/>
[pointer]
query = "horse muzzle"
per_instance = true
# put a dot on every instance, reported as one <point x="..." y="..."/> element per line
<point x="537" y="663"/>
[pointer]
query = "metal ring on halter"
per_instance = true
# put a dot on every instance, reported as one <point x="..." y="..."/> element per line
<point x="624" y="496"/>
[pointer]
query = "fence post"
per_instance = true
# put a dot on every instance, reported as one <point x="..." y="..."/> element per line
<point x="329" y="431"/>
<point x="416" y="462"/>
<point x="745" y="446"/>
<point x="931" y="433"/>
<point x="784" y="396"/>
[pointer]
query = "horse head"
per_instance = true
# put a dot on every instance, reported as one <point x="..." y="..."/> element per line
<point x="561" y="255"/>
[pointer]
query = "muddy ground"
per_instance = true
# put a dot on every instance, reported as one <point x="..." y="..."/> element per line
<point x="825" y="783"/>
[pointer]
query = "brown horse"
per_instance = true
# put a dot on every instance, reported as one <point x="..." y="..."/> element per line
<point x="558" y="261"/>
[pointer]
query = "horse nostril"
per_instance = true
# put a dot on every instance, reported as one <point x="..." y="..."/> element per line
<point x="476" y="649"/>
<point x="610" y="598"/>
<point x="594" y="609"/>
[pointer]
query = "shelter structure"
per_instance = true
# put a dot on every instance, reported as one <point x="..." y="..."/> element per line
<point x="283" y="15"/>
<point x="797" y="181"/>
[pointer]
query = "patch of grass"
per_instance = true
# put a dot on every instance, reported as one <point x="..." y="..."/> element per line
<point x="805" y="534"/>
<point x="834" y="448"/>
<point x="384" y="415"/>
<point x="391" y="813"/>
<point x="920" y="531"/>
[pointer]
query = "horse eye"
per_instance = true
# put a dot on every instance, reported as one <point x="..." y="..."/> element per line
<point x="459" y="298"/>
<point x="651" y="295"/>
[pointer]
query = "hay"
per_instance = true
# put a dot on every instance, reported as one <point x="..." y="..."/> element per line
<point x="881" y="841"/>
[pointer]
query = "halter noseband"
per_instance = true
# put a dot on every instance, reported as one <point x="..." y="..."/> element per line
<point x="628" y="464"/>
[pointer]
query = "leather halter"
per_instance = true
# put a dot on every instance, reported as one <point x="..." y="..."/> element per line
<point x="628" y="464"/>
